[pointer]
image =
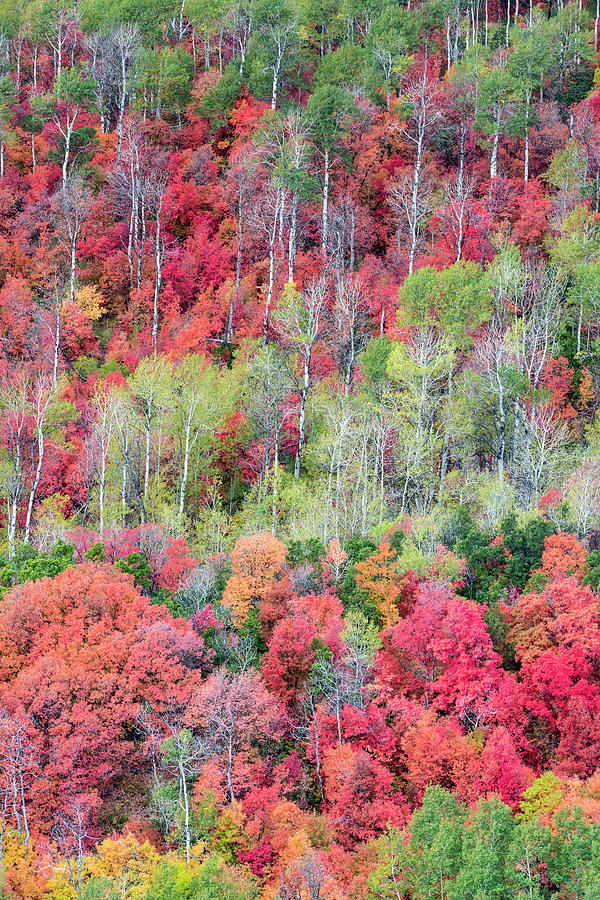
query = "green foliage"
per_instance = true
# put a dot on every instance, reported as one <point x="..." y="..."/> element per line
<point x="28" y="564"/>
<point x="592" y="575"/>
<point x="96" y="552"/>
<point x="436" y="837"/>
<point x="455" y="300"/>
<point x="485" y="847"/>
<point x="485" y="563"/>
<point x="310" y="550"/>
<point x="218" y="102"/>
<point x="164" y="80"/>
<point x="350" y="593"/>
<point x="99" y="888"/>
<point x="494" y="562"/>
<point x="137" y="565"/>
<point x="486" y="853"/>
<point x="541" y="798"/>
<point x="526" y="545"/>
<point x="328" y="110"/>
<point x="374" y="359"/>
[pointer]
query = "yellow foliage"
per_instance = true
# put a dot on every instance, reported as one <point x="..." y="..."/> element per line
<point x="90" y="301"/>
<point x="22" y="869"/>
<point x="129" y="864"/>
<point x="229" y="834"/>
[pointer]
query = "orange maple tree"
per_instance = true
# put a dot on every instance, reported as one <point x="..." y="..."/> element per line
<point x="255" y="561"/>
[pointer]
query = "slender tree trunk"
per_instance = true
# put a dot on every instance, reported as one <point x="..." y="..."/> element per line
<point x="35" y="483"/>
<point x="186" y="808"/>
<point x="275" y="475"/>
<point x="185" y="471"/>
<point x="158" y="259"/>
<point x="325" y="202"/>
<point x="293" y="236"/>
<point x="73" y="272"/>
<point x="302" y="421"/>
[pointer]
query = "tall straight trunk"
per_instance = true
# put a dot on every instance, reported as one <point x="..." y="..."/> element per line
<point x="235" y="299"/>
<point x="275" y="86"/>
<point x="271" y="282"/>
<point x="158" y="260"/>
<point x="142" y="242"/>
<point x="526" y="161"/>
<point x="102" y="490"/>
<point x="446" y="444"/>
<point x="57" y="335"/>
<point x="302" y="420"/>
<point x="121" y="113"/>
<point x="124" y="482"/>
<point x="146" y="471"/>
<point x="275" y="475"/>
<point x="186" y="808"/>
<point x="65" y="165"/>
<point x="293" y="236"/>
<point x="35" y="483"/>
<point x="185" y="470"/>
<point x="495" y="140"/>
<point x="325" y="227"/>
<point x="73" y="272"/>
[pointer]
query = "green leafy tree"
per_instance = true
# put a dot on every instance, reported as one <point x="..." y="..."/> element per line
<point x="8" y="98"/>
<point x="528" y="63"/>
<point x="163" y="81"/>
<point x="393" y="38"/>
<point x="436" y="836"/>
<point x="494" y="92"/>
<point x="29" y="564"/>
<point x="276" y="38"/>
<point x="74" y="93"/>
<point x="328" y="110"/>
<point x="527" y="855"/>
<point x="485" y="853"/>
<point x="572" y="852"/>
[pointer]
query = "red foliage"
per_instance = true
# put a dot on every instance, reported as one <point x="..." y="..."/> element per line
<point x="289" y="658"/>
<point x="79" y="655"/>
<point x="358" y="793"/>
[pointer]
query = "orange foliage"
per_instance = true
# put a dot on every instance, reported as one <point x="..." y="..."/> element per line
<point x="379" y="575"/>
<point x="334" y="562"/>
<point x="22" y="869"/>
<point x="563" y="555"/>
<point x="255" y="561"/>
<point x="437" y="753"/>
<point x="587" y="392"/>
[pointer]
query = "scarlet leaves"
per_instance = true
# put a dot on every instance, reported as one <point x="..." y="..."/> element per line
<point x="442" y="654"/>
<point x="80" y="654"/>
<point x="556" y="634"/>
<point x="358" y="791"/>
<point x="289" y="658"/>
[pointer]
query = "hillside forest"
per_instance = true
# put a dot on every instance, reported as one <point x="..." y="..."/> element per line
<point x="299" y="450"/>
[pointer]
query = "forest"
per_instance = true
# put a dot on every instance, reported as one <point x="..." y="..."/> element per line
<point x="299" y="450"/>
